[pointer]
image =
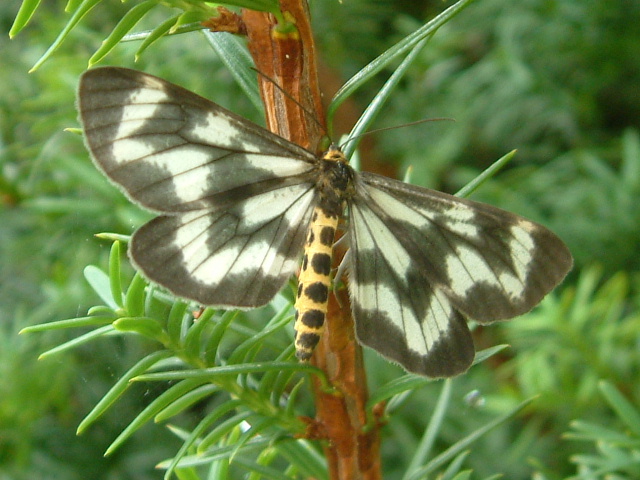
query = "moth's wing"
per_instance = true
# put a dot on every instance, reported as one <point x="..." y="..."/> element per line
<point x="236" y="198"/>
<point x="237" y="257"/>
<point x="173" y="151"/>
<point x="422" y="259"/>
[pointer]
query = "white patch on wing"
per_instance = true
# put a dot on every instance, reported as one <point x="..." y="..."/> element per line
<point x="218" y="129"/>
<point x="217" y="266"/>
<point x="131" y="113"/>
<point x="437" y="322"/>
<point x="274" y="260"/>
<point x="459" y="219"/>
<point x="375" y="235"/>
<point x="420" y="333"/>
<point x="278" y="166"/>
<point x="521" y="247"/>
<point x="126" y="149"/>
<point x="252" y="256"/>
<point x="260" y="253"/>
<point x="262" y="208"/>
<point x="417" y="339"/>
<point x="467" y="267"/>
<point x="175" y="160"/>
<point x="126" y="130"/>
<point x="396" y="209"/>
<point x="148" y="96"/>
<point x="191" y="239"/>
<point x="379" y="297"/>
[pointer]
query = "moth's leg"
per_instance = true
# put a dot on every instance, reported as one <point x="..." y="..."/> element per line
<point x="337" y="278"/>
<point x="343" y="226"/>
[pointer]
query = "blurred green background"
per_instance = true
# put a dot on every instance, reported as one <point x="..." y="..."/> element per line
<point x="558" y="80"/>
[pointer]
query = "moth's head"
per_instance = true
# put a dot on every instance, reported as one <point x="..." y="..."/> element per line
<point x="334" y="154"/>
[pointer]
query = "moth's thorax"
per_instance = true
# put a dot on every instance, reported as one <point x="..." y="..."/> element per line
<point x="335" y="181"/>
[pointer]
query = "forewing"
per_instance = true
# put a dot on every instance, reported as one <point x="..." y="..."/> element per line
<point x="422" y="258"/>
<point x="171" y="150"/>
<point x="236" y="198"/>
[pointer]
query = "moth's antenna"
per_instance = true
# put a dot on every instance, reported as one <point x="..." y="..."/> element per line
<point x="378" y="130"/>
<point x="290" y="97"/>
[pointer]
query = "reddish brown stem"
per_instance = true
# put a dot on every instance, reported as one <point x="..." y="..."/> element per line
<point x="289" y="59"/>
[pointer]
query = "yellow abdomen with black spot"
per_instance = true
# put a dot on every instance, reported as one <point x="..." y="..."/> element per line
<point x="314" y="281"/>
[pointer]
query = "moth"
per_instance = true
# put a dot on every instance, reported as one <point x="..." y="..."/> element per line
<point x="239" y="206"/>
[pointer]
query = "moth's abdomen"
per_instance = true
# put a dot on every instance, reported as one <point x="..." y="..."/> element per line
<point x="314" y="282"/>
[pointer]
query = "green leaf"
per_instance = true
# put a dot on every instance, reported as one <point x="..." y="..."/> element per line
<point x="232" y="371"/>
<point x="101" y="284"/>
<point x="216" y="435"/>
<point x="145" y="326"/>
<point x="189" y="19"/>
<point x="173" y="394"/>
<point x="128" y="21"/>
<point x="177" y="322"/>
<point x="72" y="5"/>
<point x="197" y="432"/>
<point x="241" y="352"/>
<point x="27" y="9"/>
<point x="482" y="355"/>
<point x="624" y="409"/>
<point x="463" y="444"/>
<point x="235" y="56"/>
<point x="488" y="173"/>
<point x="596" y="433"/>
<point x="293" y="396"/>
<point x="454" y="468"/>
<point x="193" y="342"/>
<point x="102" y="311"/>
<point x="156" y="34"/>
<point x="310" y="462"/>
<point x="376" y="104"/>
<point x="397" y="386"/>
<point x="274" y="383"/>
<point x="266" y="457"/>
<point x="220" y="453"/>
<point x="259" y="425"/>
<point x="114" y="237"/>
<point x="460" y="476"/>
<point x="187" y="400"/>
<point x="80" y="12"/>
<point x="121" y="386"/>
<point x="262" y="470"/>
<point x="189" y="474"/>
<point x="409" y="42"/>
<point x="81" y="340"/>
<point x="423" y="451"/>
<point x="115" y="280"/>
<point x="216" y="335"/>
<point x="90" y="321"/>
<point x="271" y="6"/>
<point x="135" y="298"/>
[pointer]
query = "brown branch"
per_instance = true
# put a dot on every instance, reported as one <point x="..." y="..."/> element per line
<point x="287" y="56"/>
